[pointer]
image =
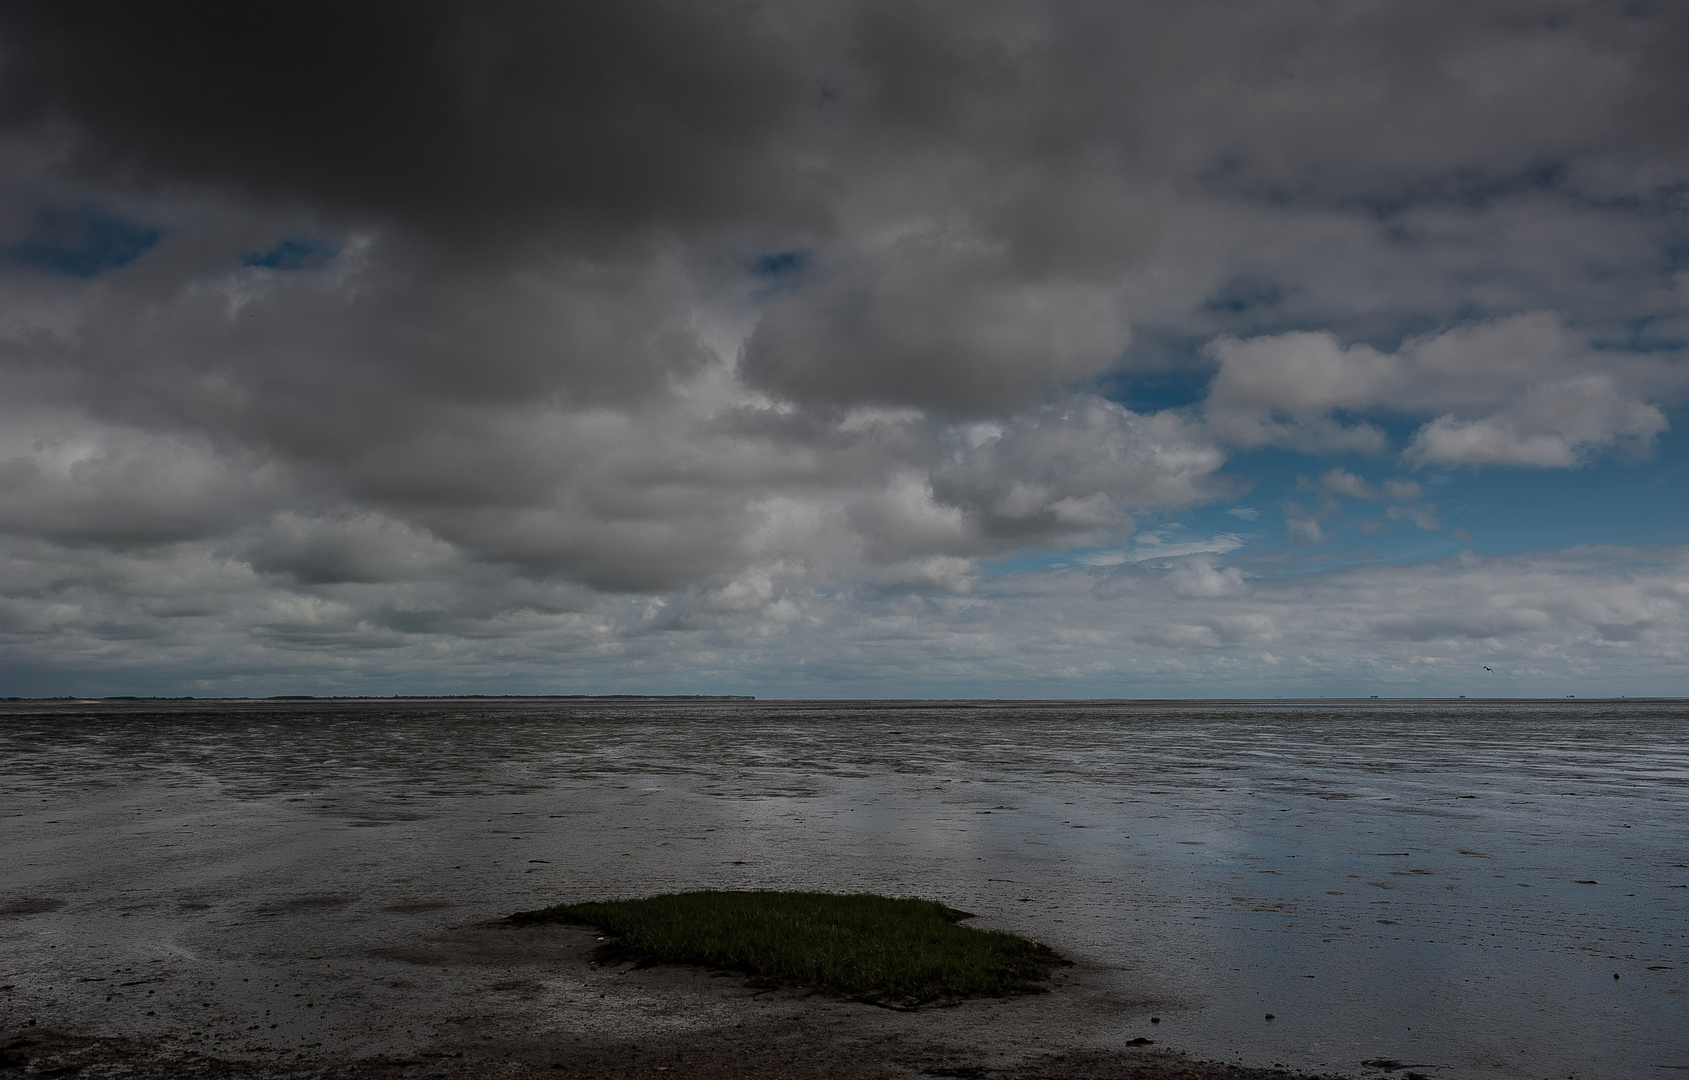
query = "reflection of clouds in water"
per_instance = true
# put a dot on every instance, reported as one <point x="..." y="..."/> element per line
<point x="912" y="824"/>
<point x="1190" y="851"/>
<point x="608" y="1007"/>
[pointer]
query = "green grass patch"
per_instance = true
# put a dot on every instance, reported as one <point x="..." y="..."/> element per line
<point x="894" y="951"/>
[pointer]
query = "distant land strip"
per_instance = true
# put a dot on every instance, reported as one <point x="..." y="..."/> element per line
<point x="414" y="697"/>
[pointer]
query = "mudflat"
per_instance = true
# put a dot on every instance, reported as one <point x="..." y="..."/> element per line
<point x="1485" y="889"/>
<point x="560" y="1013"/>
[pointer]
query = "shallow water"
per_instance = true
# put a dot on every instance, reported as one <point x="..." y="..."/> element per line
<point x="1452" y="885"/>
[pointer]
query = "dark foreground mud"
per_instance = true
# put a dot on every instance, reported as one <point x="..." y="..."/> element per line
<point x="795" y="1056"/>
<point x="760" y="1053"/>
<point x="560" y="1015"/>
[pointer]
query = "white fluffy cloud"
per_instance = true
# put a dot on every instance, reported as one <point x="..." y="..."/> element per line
<point x="1555" y="424"/>
<point x="1519" y="390"/>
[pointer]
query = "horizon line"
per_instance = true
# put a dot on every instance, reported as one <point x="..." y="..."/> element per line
<point x="282" y="698"/>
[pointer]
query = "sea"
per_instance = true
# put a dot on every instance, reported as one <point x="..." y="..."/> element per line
<point x="1491" y="889"/>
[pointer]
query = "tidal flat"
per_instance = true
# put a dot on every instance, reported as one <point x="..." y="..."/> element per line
<point x="1458" y="889"/>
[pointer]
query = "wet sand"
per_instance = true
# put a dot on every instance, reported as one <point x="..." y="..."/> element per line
<point x="659" y="1021"/>
<point x="302" y="886"/>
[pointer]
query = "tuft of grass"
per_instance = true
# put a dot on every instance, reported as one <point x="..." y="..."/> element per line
<point x="903" y="951"/>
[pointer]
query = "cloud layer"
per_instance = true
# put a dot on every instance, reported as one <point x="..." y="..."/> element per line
<point x="334" y="334"/>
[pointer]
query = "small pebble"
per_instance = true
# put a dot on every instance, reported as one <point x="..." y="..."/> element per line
<point x="1269" y="1016"/>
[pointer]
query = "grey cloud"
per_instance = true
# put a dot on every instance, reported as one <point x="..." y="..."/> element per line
<point x="1282" y="390"/>
<point x="346" y="548"/>
<point x="1590" y="620"/>
<point x="1078" y="469"/>
<point x="941" y="573"/>
<point x="736" y="322"/>
<point x="903" y="519"/>
<point x="376" y="344"/>
<point x="937" y="321"/>
<point x="88" y="484"/>
<point x="494" y="116"/>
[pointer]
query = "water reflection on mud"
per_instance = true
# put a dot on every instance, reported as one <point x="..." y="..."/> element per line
<point x="1450" y="885"/>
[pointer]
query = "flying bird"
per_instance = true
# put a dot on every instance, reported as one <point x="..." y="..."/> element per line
<point x="1488" y="668"/>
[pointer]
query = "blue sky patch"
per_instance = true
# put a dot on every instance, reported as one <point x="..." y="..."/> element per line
<point x="81" y="241"/>
<point x="295" y="253"/>
<point x="779" y="263"/>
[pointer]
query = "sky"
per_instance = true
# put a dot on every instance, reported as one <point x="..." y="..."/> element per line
<point x="844" y="349"/>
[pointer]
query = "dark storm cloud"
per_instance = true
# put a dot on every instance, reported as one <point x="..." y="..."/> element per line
<point x="453" y="117"/>
<point x="624" y="115"/>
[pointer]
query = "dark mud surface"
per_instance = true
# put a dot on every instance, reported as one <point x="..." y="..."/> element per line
<point x="660" y="1021"/>
<point x="1492" y="890"/>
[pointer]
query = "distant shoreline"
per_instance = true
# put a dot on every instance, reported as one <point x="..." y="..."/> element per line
<point x="875" y="702"/>
<point x="408" y="697"/>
